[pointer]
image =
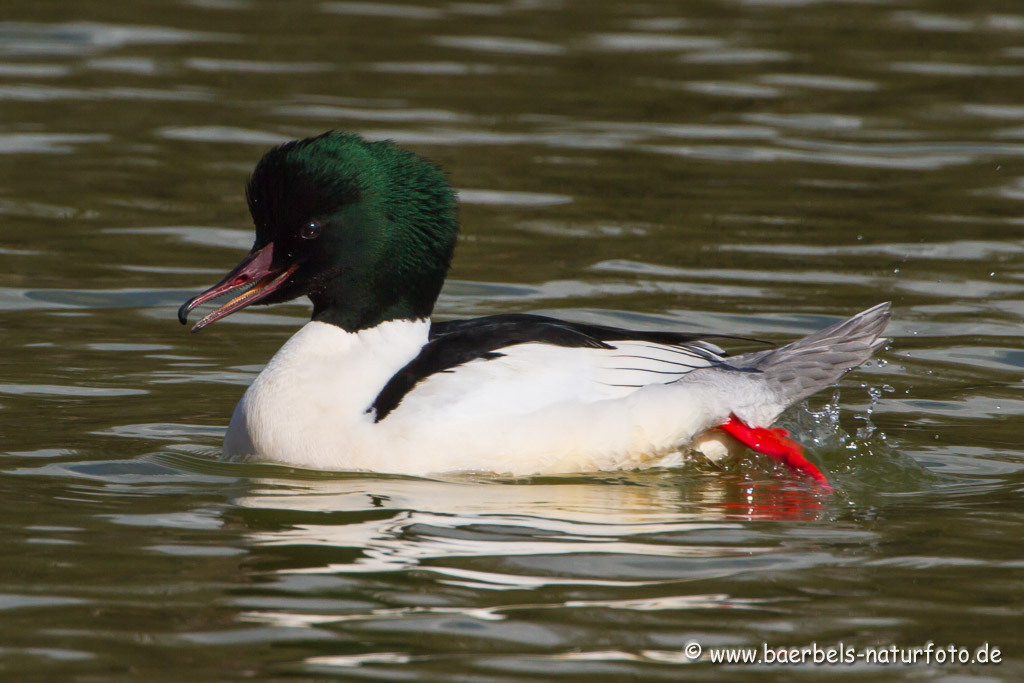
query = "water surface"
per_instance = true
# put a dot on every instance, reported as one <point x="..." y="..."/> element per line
<point x="759" y="167"/>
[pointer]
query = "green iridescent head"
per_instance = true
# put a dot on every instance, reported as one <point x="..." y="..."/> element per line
<point x="365" y="229"/>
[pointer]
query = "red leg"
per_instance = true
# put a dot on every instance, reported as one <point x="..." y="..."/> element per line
<point x="773" y="443"/>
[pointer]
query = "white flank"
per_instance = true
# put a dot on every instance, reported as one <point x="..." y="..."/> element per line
<point x="537" y="409"/>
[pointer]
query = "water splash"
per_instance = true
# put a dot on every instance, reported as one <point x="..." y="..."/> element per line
<point x="819" y="429"/>
<point x="868" y="429"/>
<point x="861" y="459"/>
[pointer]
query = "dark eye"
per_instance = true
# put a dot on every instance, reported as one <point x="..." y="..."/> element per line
<point x="311" y="230"/>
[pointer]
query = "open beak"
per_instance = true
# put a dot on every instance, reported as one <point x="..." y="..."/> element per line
<point x="253" y="279"/>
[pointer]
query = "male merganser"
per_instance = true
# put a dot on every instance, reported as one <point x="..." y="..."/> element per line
<point x="367" y="231"/>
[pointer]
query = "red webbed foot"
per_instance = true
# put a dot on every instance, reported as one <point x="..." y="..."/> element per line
<point x="773" y="443"/>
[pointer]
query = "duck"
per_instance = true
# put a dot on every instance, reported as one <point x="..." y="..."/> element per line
<point x="367" y="231"/>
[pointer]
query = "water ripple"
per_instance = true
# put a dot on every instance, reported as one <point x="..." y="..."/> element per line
<point x="38" y="39"/>
<point x="221" y="134"/>
<point x="381" y="9"/>
<point x="45" y="143"/>
<point x="651" y="42"/>
<point x="500" y="44"/>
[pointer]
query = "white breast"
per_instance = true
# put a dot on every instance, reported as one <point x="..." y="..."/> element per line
<point x="308" y="405"/>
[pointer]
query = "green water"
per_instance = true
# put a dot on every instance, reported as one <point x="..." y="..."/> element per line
<point x="758" y="167"/>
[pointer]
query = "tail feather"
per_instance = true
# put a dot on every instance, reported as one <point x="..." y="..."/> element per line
<point x="798" y="369"/>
